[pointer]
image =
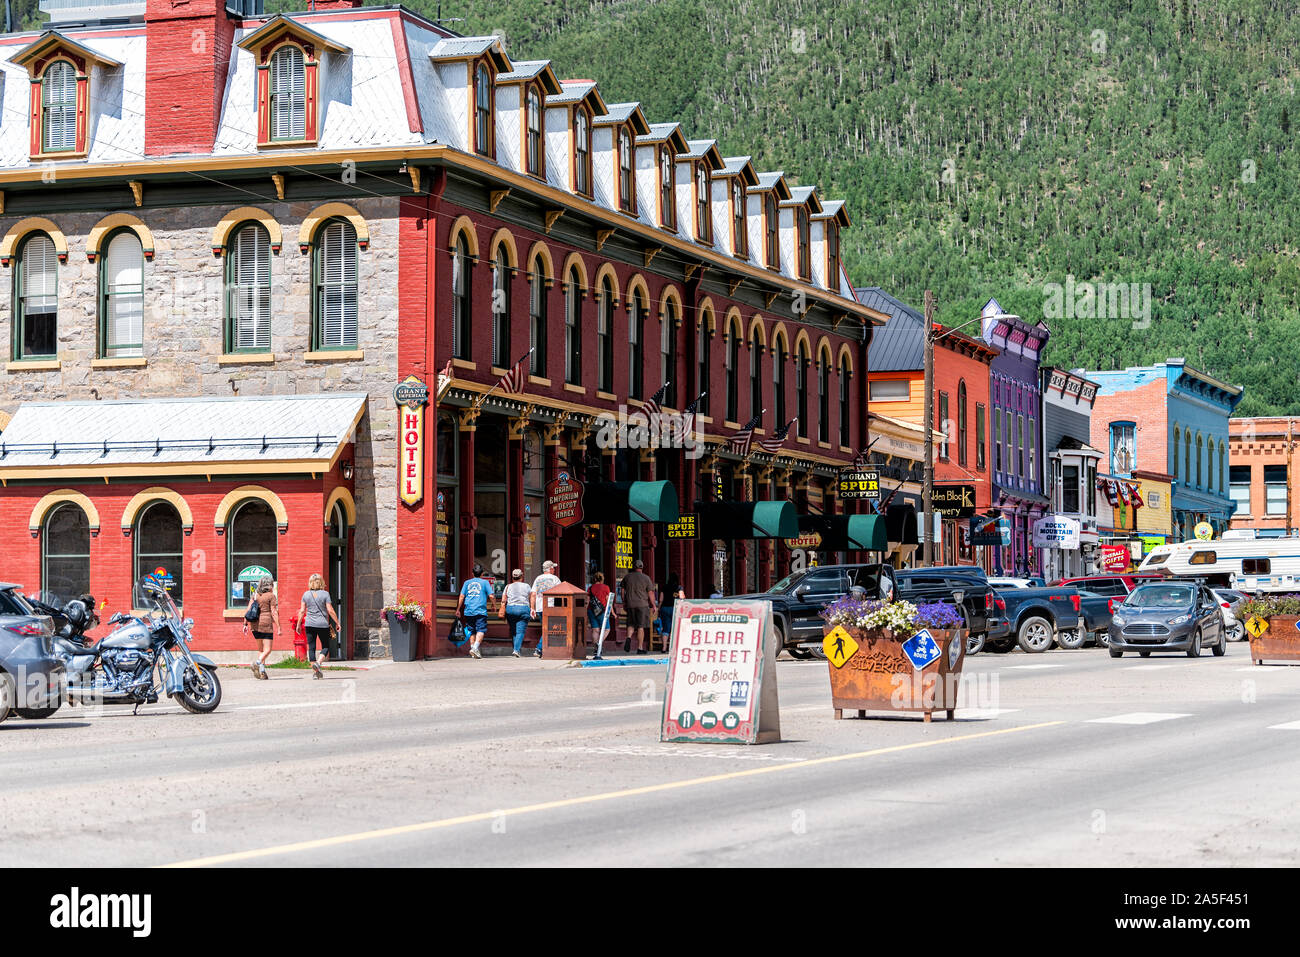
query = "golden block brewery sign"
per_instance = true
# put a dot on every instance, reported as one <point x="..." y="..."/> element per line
<point x="686" y="526"/>
<point x="955" y="501"/>
<point x="564" y="501"/>
<point x="623" y="547"/>
<point x="721" y="676"/>
<point x="411" y="396"/>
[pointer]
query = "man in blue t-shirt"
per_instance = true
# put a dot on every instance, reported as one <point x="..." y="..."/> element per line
<point x="472" y="607"/>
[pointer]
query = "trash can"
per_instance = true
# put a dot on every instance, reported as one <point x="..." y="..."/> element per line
<point x="564" y="622"/>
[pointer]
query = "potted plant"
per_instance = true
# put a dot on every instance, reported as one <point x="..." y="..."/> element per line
<point x="1280" y="640"/>
<point x="870" y="668"/>
<point x="404" y="619"/>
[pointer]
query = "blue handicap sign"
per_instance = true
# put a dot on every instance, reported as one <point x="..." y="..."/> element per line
<point x="921" y="649"/>
<point x="1297" y="626"/>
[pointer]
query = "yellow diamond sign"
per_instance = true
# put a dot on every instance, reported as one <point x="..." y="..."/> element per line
<point x="1256" y="626"/>
<point x="839" y="646"/>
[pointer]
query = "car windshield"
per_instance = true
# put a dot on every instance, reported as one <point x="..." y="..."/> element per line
<point x="786" y="583"/>
<point x="1160" y="596"/>
<point x="13" y="603"/>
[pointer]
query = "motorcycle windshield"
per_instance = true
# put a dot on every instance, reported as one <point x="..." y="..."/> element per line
<point x="154" y="595"/>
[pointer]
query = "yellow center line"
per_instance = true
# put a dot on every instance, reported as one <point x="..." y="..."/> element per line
<point x="587" y="799"/>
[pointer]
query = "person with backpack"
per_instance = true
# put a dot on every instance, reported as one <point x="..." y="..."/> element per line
<point x="472" y="607"/>
<point x="263" y="614"/>
<point x="600" y="611"/>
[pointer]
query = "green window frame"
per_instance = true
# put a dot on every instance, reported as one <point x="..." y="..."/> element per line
<point x="334" y="279"/>
<point x="65" y="551"/>
<point x="248" y="290"/>
<point x="36" y="298"/>
<point x="59" y="108"/>
<point x="251" y="527"/>
<point x="121" y="296"/>
<point x="159" y="542"/>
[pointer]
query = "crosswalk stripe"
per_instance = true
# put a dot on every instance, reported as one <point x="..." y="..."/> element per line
<point x="1289" y="726"/>
<point x="1147" y="667"/>
<point x="1139" y="717"/>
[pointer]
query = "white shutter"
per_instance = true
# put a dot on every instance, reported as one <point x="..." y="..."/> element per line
<point x="124" y="285"/>
<point x="251" y="312"/>
<point x="338" y="277"/>
<point x="40" y="275"/>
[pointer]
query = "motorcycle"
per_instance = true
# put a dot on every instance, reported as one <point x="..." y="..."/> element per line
<point x="141" y="657"/>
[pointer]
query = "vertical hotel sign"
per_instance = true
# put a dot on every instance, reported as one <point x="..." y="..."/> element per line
<point x="411" y="396"/>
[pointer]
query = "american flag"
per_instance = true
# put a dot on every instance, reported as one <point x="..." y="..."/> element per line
<point x="1135" y="496"/>
<point x="652" y="406"/>
<point x="777" y="439"/>
<point x="688" y="416"/>
<point x="740" y="442"/>
<point x="513" y="380"/>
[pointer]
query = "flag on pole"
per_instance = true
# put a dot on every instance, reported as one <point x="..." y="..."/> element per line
<point x="740" y="442"/>
<point x="777" y="439"/>
<point x="688" y="416"/>
<point x="653" y="405"/>
<point x="513" y="380"/>
<point x="444" y="382"/>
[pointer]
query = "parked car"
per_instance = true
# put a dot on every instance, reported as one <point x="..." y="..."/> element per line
<point x="1015" y="582"/>
<point x="1119" y="585"/>
<point x="798" y="599"/>
<point x="1170" y="616"/>
<point x="31" y="677"/>
<point x="943" y="584"/>
<point x="1034" y="618"/>
<point x="1230" y="603"/>
<point x="1097" y="611"/>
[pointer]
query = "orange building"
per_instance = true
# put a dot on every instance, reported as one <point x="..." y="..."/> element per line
<point x="1261" y="457"/>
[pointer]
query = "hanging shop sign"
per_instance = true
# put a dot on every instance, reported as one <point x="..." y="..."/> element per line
<point x="722" y="675"/>
<point x="954" y="501"/>
<point x="564" y="501"/>
<point x="808" y="541"/>
<point x="411" y="396"/>
<point x="1203" y="531"/>
<point x="623" y="547"/>
<point x="990" y="531"/>
<point x="1114" y="558"/>
<point x="686" y="526"/>
<point x="860" y="483"/>
<point x="1056" y="531"/>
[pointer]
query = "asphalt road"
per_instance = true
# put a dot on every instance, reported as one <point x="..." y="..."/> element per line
<point x="1064" y="758"/>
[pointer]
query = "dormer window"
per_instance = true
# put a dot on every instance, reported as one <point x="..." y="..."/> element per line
<point x="534" y="145"/>
<point x="832" y="255"/>
<point x="59" y="108"/>
<point x="703" y="222"/>
<point x="582" y="151"/>
<point x="626" y="168"/>
<point x="483" y="110"/>
<point x="738" y="237"/>
<point x="801" y="225"/>
<point x="771" y="247"/>
<point x="667" y="205"/>
<point x="288" y="94"/>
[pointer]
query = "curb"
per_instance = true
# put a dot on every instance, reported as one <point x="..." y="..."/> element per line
<point x="622" y="662"/>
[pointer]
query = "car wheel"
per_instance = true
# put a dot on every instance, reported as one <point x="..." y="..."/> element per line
<point x="8" y="695"/>
<point x="1035" y="634"/>
<point x="1221" y="648"/>
<point x="1116" y="653"/>
<point x="1003" y="645"/>
<point x="799" y="654"/>
<point x="975" y="643"/>
<point x="1194" y="649"/>
<point x="1070" y="640"/>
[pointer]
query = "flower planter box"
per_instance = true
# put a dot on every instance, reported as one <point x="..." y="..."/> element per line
<point x="1281" y="642"/>
<point x="405" y="637"/>
<point x="878" y="676"/>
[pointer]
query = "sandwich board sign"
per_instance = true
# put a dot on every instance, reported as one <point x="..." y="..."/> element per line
<point x="722" y="674"/>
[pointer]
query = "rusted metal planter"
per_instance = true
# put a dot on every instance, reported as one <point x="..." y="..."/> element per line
<point x="1280" y="643"/>
<point x="878" y="676"/>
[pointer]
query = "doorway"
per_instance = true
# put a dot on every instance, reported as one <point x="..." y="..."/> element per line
<point x="338" y="580"/>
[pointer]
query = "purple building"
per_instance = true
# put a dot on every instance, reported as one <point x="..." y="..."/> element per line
<point x="1015" y="401"/>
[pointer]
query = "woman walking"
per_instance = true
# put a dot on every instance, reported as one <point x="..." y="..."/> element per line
<point x="600" y="614"/>
<point x="517" y="610"/>
<point x="316" y="611"/>
<point x="266" y="623"/>
<point x="672" y="591"/>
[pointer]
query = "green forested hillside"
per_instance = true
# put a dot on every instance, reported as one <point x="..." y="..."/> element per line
<point x="988" y="147"/>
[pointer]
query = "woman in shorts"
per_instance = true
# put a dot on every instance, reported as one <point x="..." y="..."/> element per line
<point x="266" y="625"/>
<point x="316" y="612"/>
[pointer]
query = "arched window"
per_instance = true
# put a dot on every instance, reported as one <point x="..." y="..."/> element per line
<point x="251" y="540"/>
<point x="1222" y="487"/>
<point x="582" y="151"/>
<point x="537" y="316"/>
<point x="534" y="151"/>
<point x="703" y="342"/>
<point x="732" y="359"/>
<point x="801" y="389"/>
<point x="160" y="545"/>
<point x="636" y="349"/>
<point x="756" y="376"/>
<point x="501" y="309"/>
<point x="778" y="380"/>
<point x="805" y="260"/>
<point x="961" y="422"/>
<point x="845" y="376"/>
<point x="461" y="331"/>
<point x="59" y="108"/>
<point x="1200" y="454"/>
<point x="771" y="248"/>
<point x="1177" y="434"/>
<point x="288" y="94"/>
<point x="605" y="339"/>
<point x="121" y="285"/>
<point x="738" y="237"/>
<point x="36" y="299"/>
<point x="832" y="255"/>
<point x="626" y="188"/>
<point x="703" y="221"/>
<point x="446" y="540"/>
<point x="1187" y="457"/>
<point x="667" y="202"/>
<point x="65" y="552"/>
<point x="483" y="110"/>
<point x="335" y="322"/>
<point x="573" y="328"/>
<point x="248" y="290"/>
<point x="668" y="352"/>
<point x="823" y="399"/>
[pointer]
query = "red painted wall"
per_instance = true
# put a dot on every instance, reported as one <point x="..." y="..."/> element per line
<point x="185" y="74"/>
<point x="951" y="368"/>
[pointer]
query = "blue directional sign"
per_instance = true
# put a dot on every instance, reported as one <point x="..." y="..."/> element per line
<point x="921" y="649"/>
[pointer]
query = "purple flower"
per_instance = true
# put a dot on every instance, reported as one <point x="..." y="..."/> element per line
<point x="938" y="615"/>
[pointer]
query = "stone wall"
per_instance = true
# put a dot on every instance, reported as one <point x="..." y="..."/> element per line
<point x="184" y="341"/>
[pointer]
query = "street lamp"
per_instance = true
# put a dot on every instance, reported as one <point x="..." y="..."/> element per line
<point x="927" y="548"/>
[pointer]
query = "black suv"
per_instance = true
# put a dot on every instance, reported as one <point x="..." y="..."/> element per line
<point x="942" y="583"/>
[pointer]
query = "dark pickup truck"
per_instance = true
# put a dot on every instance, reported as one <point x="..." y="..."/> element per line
<point x="1034" y="618"/>
<point x="943" y="584"/>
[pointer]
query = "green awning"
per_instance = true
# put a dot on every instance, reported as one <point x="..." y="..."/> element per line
<point x="847" y="532"/>
<point x="616" y="503"/>
<point x="733" y="520"/>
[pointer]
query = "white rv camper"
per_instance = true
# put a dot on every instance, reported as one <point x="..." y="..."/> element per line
<point x="1249" y="565"/>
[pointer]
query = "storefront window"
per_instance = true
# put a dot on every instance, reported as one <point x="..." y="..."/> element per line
<point x="446" y="540"/>
<point x="65" y="552"/>
<point x="490" y="462"/>
<point x="160" y="546"/>
<point x="534" y="505"/>
<point x="252" y="541"/>
<point x="1275" y="489"/>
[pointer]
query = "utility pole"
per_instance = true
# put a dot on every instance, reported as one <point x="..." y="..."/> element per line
<point x="927" y="548"/>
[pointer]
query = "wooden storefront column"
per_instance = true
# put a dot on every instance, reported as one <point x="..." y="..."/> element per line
<point x="766" y="551"/>
<point x="514" y="497"/>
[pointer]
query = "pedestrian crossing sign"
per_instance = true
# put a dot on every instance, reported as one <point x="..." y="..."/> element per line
<point x="1256" y="626"/>
<point x="839" y="646"/>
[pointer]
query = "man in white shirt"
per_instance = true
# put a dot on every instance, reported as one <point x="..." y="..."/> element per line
<point x="547" y="579"/>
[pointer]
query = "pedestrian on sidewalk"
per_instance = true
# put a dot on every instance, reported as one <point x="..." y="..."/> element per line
<point x="668" y="595"/>
<point x="601" y="611"/>
<point x="638" y="598"/>
<point x="472" y="608"/>
<point x="316" y="611"/>
<point x="266" y="623"/>
<point x="547" y="579"/>
<point x="515" y="600"/>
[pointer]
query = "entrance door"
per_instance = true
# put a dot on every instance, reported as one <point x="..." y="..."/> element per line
<point x="338" y="583"/>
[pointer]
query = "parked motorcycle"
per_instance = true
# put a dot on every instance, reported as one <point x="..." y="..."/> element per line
<point x="140" y="658"/>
